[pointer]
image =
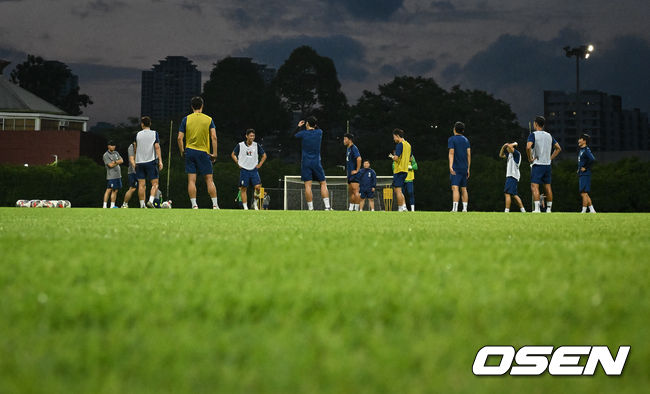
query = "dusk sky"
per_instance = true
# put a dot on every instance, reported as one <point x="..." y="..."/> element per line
<point x="511" y="48"/>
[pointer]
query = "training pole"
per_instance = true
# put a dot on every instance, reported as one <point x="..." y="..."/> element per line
<point x="169" y="156"/>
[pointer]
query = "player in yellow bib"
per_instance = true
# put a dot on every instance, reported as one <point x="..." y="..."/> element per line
<point x="402" y="159"/>
<point x="198" y="130"/>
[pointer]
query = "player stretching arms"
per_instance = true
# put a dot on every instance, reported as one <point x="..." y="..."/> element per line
<point x="512" y="174"/>
<point x="402" y="158"/>
<point x="352" y="165"/>
<point x="585" y="160"/>
<point x="246" y="156"/>
<point x="310" y="166"/>
<point x="367" y="185"/>
<point x="200" y="130"/>
<point x="460" y="159"/>
<point x="538" y="148"/>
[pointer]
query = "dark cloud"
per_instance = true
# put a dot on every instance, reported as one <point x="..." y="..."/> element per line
<point x="370" y="10"/>
<point x="98" y="7"/>
<point x="348" y="54"/>
<point x="443" y="6"/>
<point x="192" y="5"/>
<point x="408" y="66"/>
<point x="518" y="68"/>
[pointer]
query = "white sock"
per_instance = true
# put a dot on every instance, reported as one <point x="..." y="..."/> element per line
<point x="112" y="204"/>
<point x="151" y="199"/>
<point x="356" y="207"/>
<point x="193" y="201"/>
<point x="537" y="206"/>
<point x="413" y="208"/>
<point x="326" y="201"/>
<point x="403" y="208"/>
<point x="592" y="209"/>
<point x="310" y="205"/>
<point x="465" y="206"/>
<point x="141" y="203"/>
<point x="372" y="210"/>
<point x="454" y="207"/>
<point x="507" y="210"/>
<point x="245" y="206"/>
<point x="351" y="208"/>
<point x="215" y="203"/>
<point x="549" y="205"/>
<point x="584" y="210"/>
<point x="522" y="209"/>
<point x="256" y="204"/>
<point x="104" y="206"/>
<point x="125" y="205"/>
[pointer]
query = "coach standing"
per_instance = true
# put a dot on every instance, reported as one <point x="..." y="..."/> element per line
<point x="112" y="161"/>
<point x="585" y="161"/>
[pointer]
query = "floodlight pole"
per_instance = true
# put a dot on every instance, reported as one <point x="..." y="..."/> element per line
<point x="584" y="52"/>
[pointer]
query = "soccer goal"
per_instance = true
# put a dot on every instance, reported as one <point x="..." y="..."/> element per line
<point x="294" y="194"/>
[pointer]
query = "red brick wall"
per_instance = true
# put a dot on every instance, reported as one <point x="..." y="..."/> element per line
<point x="37" y="147"/>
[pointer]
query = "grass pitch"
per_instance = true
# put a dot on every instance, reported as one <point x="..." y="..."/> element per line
<point x="108" y="301"/>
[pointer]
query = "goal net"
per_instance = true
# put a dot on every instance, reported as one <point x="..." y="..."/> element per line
<point x="294" y="193"/>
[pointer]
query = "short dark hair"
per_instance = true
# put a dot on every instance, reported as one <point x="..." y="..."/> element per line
<point x="398" y="132"/>
<point x="197" y="102"/>
<point x="459" y="127"/>
<point x="349" y="136"/>
<point x="585" y="137"/>
<point x="540" y="121"/>
<point x="311" y="120"/>
<point x="250" y="131"/>
<point x="146" y="121"/>
<point x="110" y="142"/>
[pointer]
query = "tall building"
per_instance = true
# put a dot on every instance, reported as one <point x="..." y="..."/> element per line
<point x="602" y="116"/>
<point x="168" y="88"/>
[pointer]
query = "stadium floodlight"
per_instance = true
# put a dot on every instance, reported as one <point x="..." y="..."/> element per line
<point x="581" y="52"/>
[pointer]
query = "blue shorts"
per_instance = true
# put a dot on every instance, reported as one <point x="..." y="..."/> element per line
<point x="133" y="180"/>
<point x="312" y="171"/>
<point x="147" y="170"/>
<point x="197" y="161"/>
<point x="460" y="179"/>
<point x="249" y="178"/>
<point x="540" y="174"/>
<point x="511" y="186"/>
<point x="354" y="178"/>
<point x="114" y="183"/>
<point x="399" y="178"/>
<point x="367" y="193"/>
<point x="584" y="184"/>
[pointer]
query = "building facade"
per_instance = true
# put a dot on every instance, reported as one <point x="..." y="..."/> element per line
<point x="168" y="88"/>
<point x="602" y="117"/>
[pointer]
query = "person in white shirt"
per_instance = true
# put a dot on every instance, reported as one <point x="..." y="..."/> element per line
<point x="148" y="160"/>
<point x="247" y="156"/>
<point x="512" y="174"/>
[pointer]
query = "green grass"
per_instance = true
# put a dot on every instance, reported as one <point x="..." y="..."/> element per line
<point x="114" y="301"/>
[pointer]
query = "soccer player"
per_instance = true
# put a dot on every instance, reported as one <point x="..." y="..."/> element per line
<point x="585" y="161"/>
<point x="409" y="183"/>
<point x="367" y="185"/>
<point x="133" y="178"/>
<point x="200" y="130"/>
<point x="460" y="160"/>
<point x="310" y="166"/>
<point x="402" y="158"/>
<point x="538" y="148"/>
<point x="352" y="165"/>
<point x="148" y="161"/>
<point x="247" y="156"/>
<point x="112" y="161"/>
<point x="512" y="174"/>
<point x="266" y="201"/>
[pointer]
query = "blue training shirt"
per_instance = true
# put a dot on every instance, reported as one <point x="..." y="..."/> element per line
<point x="311" y="140"/>
<point x="367" y="178"/>
<point x="351" y="155"/>
<point x="460" y="144"/>
<point x="585" y="159"/>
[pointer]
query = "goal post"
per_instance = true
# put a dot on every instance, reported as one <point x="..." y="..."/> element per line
<point x="294" y="193"/>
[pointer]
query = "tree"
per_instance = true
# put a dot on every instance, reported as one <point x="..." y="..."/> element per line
<point x="426" y="112"/>
<point x="308" y="83"/>
<point x="53" y="82"/>
<point x="237" y="99"/>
